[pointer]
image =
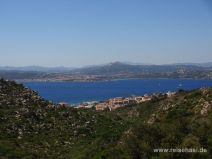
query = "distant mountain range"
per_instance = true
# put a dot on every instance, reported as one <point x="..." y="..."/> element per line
<point x="118" y="67"/>
<point x="206" y="64"/>
<point x="113" y="64"/>
<point x="110" y="71"/>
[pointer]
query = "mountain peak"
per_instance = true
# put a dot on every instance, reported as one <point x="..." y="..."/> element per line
<point x="116" y="63"/>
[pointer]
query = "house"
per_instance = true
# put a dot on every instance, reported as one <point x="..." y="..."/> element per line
<point x="116" y="101"/>
<point x="146" y="97"/>
<point x="101" y="106"/>
<point x="139" y="99"/>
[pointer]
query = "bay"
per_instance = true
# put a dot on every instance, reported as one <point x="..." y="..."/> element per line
<point x="77" y="92"/>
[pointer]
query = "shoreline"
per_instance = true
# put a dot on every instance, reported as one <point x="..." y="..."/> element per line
<point x="118" y="79"/>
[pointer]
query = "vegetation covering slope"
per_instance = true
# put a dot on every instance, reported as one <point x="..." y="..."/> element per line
<point x="31" y="127"/>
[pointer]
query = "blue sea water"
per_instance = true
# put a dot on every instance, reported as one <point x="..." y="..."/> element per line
<point x="77" y="92"/>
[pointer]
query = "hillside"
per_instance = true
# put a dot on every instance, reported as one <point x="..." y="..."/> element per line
<point x="31" y="127"/>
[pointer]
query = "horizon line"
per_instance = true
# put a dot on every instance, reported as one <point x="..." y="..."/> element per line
<point x="103" y="64"/>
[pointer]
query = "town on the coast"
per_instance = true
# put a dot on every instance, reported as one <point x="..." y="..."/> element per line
<point x="114" y="103"/>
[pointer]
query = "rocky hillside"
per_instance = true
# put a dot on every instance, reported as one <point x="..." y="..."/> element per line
<point x="31" y="127"/>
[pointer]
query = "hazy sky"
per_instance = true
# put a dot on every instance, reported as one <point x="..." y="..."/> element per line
<point x="85" y="32"/>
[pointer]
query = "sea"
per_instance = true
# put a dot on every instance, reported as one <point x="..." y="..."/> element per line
<point x="78" y="92"/>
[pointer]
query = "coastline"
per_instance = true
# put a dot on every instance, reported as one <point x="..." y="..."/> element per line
<point x="105" y="80"/>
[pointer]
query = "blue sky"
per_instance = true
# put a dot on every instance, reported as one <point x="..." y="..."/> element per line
<point x="85" y="32"/>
